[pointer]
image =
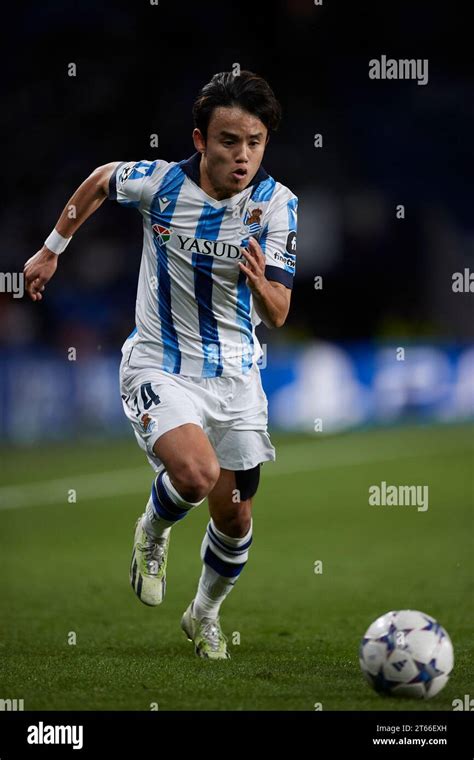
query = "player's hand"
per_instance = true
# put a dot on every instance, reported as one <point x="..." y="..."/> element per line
<point x="38" y="271"/>
<point x="254" y="267"/>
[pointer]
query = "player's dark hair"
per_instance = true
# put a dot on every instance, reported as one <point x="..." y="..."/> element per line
<point x="246" y="90"/>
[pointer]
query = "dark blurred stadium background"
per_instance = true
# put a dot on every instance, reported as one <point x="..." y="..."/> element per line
<point x="387" y="282"/>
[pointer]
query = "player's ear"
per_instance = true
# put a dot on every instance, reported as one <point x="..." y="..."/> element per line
<point x="199" y="141"/>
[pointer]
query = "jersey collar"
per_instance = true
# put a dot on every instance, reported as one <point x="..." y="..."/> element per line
<point x="190" y="167"/>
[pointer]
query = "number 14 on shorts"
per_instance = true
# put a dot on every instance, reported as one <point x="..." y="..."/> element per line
<point x="144" y="400"/>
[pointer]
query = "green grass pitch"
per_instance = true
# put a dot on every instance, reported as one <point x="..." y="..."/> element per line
<point x="293" y="632"/>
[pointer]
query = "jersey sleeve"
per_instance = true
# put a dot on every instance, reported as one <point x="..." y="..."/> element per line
<point x="278" y="238"/>
<point x="130" y="183"/>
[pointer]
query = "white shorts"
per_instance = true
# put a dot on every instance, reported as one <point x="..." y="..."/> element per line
<point x="232" y="411"/>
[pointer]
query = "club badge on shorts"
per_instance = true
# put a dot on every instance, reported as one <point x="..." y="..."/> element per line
<point x="146" y="423"/>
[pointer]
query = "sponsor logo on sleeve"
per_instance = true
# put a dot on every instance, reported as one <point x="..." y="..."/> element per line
<point x="291" y="243"/>
<point x="125" y="173"/>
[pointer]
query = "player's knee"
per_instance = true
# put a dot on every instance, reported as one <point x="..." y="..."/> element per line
<point x="236" y="526"/>
<point x="240" y="526"/>
<point x="195" y="480"/>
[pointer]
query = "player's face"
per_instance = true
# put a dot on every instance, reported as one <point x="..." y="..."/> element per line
<point x="233" y="152"/>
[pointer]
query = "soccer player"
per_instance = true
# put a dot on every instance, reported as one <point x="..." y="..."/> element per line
<point x="219" y="239"/>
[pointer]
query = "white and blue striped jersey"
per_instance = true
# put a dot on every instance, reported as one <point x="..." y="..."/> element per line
<point x="194" y="311"/>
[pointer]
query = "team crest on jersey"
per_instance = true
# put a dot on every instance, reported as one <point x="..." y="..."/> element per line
<point x="252" y="220"/>
<point x="162" y="234"/>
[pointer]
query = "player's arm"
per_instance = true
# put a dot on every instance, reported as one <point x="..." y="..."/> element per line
<point x="39" y="269"/>
<point x="271" y="299"/>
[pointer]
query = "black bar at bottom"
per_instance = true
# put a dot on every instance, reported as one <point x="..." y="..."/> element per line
<point x="377" y="734"/>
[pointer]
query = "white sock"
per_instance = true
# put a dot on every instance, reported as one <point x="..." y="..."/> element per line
<point x="224" y="558"/>
<point x="165" y="507"/>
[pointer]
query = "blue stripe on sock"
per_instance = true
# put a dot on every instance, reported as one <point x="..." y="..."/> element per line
<point x="221" y="545"/>
<point x="164" y="496"/>
<point x="171" y="511"/>
<point x="226" y="550"/>
<point x="159" y="509"/>
<point x="226" y="569"/>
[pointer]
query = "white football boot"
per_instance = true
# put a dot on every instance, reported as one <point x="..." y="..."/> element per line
<point x="148" y="566"/>
<point x="206" y="634"/>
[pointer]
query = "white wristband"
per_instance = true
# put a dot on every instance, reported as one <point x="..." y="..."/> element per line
<point x="56" y="242"/>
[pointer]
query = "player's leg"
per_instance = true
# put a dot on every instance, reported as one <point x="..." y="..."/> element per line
<point x="188" y="471"/>
<point x="226" y="544"/>
<point x="167" y="423"/>
<point x="238" y="434"/>
<point x="224" y="552"/>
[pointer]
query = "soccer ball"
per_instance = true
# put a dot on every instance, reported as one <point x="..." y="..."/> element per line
<point x="406" y="654"/>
